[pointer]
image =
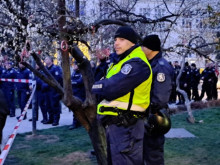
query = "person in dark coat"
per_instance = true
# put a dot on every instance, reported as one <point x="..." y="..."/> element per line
<point x="126" y="93"/>
<point x="8" y="88"/>
<point x="53" y="98"/>
<point x="163" y="77"/>
<point x="23" y="89"/>
<point x="185" y="81"/>
<point x="40" y="100"/>
<point x="4" y="111"/>
<point x="195" y="82"/>
<point x="215" y="81"/>
<point x="177" y="68"/>
<point x="78" y="90"/>
<point x="207" y="76"/>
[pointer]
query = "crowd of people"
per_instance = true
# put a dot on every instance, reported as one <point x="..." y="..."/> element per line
<point x="190" y="80"/>
<point x="17" y="94"/>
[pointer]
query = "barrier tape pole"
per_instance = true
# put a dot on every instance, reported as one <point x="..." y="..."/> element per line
<point x="10" y="141"/>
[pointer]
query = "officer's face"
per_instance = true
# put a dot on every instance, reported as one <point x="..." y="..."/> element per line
<point x="121" y="45"/>
<point x="8" y="66"/>
<point x="48" y="61"/>
<point x="21" y="66"/>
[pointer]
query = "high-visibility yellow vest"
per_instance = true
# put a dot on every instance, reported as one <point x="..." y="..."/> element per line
<point x="141" y="97"/>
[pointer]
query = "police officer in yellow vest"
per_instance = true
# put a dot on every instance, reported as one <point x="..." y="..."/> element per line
<point x="126" y="93"/>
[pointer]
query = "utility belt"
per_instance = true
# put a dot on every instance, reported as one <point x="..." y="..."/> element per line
<point x="125" y="118"/>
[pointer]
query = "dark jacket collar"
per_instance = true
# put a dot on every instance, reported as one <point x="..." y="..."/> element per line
<point x="154" y="60"/>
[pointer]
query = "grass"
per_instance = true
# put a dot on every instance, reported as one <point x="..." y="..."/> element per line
<point x="62" y="146"/>
<point x="202" y="150"/>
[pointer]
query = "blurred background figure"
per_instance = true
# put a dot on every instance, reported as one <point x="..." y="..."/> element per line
<point x="78" y="90"/>
<point x="23" y="89"/>
<point x="53" y="97"/>
<point x="9" y="87"/>
<point x="103" y="63"/>
<point x="185" y="82"/>
<point x="40" y="98"/>
<point x="215" y="81"/>
<point x="208" y="76"/>
<point x="195" y="78"/>
<point x="4" y="111"/>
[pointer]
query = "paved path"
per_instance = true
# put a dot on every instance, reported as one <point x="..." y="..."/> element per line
<point x="179" y="133"/>
<point x="66" y="118"/>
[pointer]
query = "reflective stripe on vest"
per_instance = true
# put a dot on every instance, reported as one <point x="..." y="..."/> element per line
<point x="141" y="98"/>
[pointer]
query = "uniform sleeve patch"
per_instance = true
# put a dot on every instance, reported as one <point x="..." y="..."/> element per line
<point x="126" y="69"/>
<point x="57" y="73"/>
<point x="161" y="77"/>
<point x="97" y="86"/>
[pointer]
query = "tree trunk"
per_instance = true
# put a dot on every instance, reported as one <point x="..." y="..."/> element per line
<point x="85" y="113"/>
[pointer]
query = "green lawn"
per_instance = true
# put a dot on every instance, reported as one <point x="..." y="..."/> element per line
<point x="202" y="150"/>
<point x="61" y="146"/>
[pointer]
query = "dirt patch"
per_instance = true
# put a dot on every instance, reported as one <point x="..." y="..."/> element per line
<point x="74" y="157"/>
<point x="46" y="138"/>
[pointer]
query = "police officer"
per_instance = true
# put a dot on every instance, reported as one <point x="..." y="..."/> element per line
<point x="207" y="76"/>
<point x="53" y="98"/>
<point x="100" y="70"/>
<point x="9" y="87"/>
<point x="177" y="68"/>
<point x="126" y="93"/>
<point x="40" y="98"/>
<point x="195" y="82"/>
<point x="215" y="81"/>
<point x="78" y="90"/>
<point x="23" y="89"/>
<point x="185" y="80"/>
<point x="163" y="77"/>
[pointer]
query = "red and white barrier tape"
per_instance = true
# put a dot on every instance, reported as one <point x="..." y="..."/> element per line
<point x="17" y="80"/>
<point x="13" y="135"/>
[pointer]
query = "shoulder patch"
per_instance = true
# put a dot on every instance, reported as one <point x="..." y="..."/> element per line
<point x="161" y="62"/>
<point x="56" y="73"/>
<point x="161" y="77"/>
<point x="126" y="69"/>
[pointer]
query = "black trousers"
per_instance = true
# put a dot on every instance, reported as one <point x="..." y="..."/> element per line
<point x="2" y="124"/>
<point x="125" y="144"/>
<point x="153" y="149"/>
<point x="195" y="93"/>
